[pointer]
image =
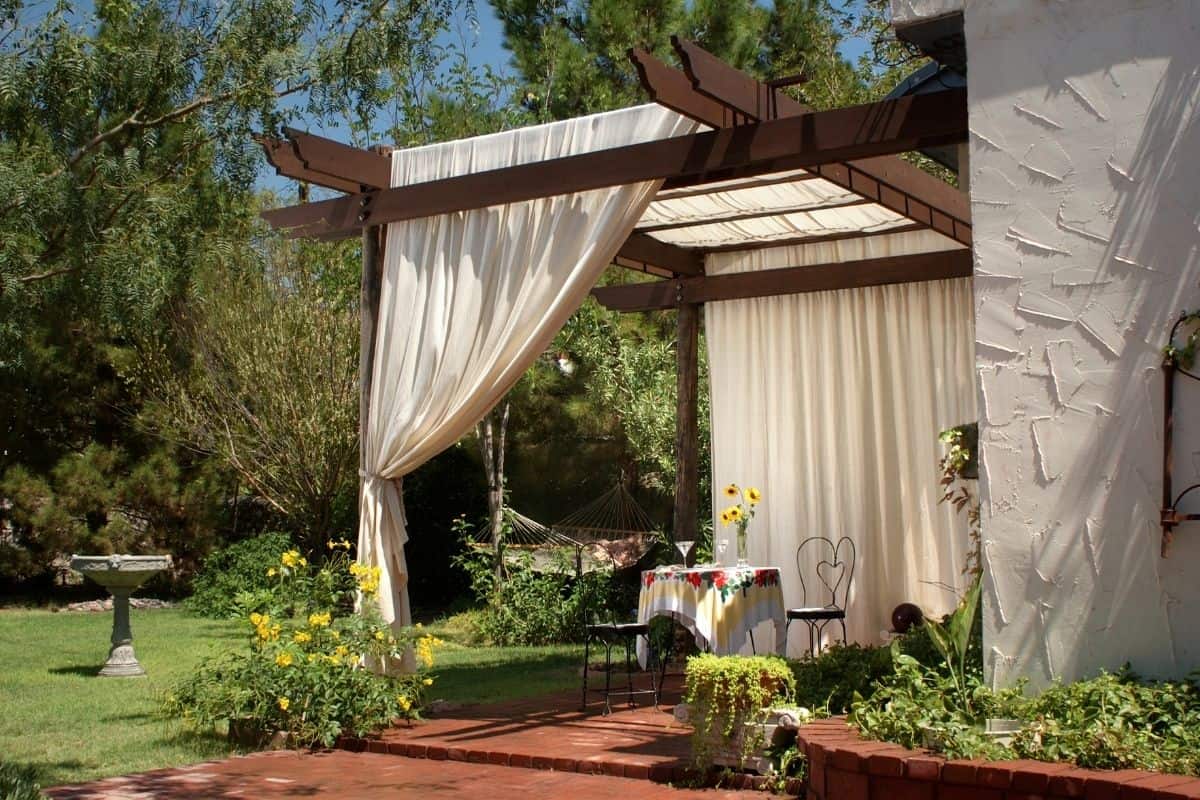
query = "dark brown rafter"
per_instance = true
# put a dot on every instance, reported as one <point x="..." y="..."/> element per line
<point x="888" y="126"/>
<point x="640" y="249"/>
<point x="792" y="280"/>
<point x="669" y="87"/>
<point x="282" y="156"/>
<point x="887" y="180"/>
<point x="367" y="168"/>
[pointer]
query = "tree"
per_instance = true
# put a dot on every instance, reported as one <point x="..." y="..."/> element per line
<point x="272" y="390"/>
<point x="127" y="167"/>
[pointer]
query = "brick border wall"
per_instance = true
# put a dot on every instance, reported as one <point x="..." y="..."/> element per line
<point x="843" y="766"/>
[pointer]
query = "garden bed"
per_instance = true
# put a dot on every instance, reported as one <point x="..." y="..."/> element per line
<point x="844" y="766"/>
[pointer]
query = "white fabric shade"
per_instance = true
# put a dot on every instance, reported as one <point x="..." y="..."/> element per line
<point x="470" y="299"/>
<point x="831" y="403"/>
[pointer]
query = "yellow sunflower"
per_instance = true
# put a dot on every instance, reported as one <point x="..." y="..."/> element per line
<point x="725" y="520"/>
<point x="753" y="496"/>
<point x="735" y="513"/>
<point x="732" y="490"/>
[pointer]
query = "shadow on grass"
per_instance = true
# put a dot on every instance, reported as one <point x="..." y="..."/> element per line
<point x="494" y="675"/>
<point x="87" y="671"/>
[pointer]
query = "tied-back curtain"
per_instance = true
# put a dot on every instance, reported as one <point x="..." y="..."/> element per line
<point x="831" y="403"/>
<point x="470" y="299"/>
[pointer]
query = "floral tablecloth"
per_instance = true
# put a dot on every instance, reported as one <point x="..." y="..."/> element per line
<point x="719" y="605"/>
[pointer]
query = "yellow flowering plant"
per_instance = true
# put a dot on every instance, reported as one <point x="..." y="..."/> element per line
<point x="309" y="667"/>
<point x="741" y="513"/>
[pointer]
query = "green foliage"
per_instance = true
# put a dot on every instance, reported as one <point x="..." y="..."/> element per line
<point x="306" y="667"/>
<point x="726" y="692"/>
<point x="838" y="673"/>
<point x="1185" y="355"/>
<point x="536" y="606"/>
<point x="230" y="572"/>
<point x="1115" y="721"/>
<point x="19" y="783"/>
<point x="272" y="385"/>
<point x="952" y="640"/>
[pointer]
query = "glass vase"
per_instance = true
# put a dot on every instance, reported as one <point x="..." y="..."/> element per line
<point x="743" y="549"/>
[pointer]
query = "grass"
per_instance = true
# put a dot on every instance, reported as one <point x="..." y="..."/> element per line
<point x="70" y="726"/>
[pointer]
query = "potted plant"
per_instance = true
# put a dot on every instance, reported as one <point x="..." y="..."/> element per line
<point x="740" y="514"/>
<point x="738" y="706"/>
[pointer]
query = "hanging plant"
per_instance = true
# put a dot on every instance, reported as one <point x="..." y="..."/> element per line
<point x="730" y="697"/>
<point x="959" y="466"/>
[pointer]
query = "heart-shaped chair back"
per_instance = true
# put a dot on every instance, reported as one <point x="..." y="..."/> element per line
<point x="826" y="569"/>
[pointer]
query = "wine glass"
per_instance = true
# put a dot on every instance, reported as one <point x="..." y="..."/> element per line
<point x="722" y="547"/>
<point x="684" y="546"/>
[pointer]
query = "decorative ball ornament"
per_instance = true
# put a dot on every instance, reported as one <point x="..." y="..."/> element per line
<point x="906" y="615"/>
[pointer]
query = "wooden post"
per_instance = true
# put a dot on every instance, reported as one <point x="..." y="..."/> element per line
<point x="372" y="278"/>
<point x="687" y="441"/>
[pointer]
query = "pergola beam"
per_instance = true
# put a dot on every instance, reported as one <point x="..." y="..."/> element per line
<point x="282" y="156"/>
<point x="367" y="168"/>
<point x="889" y="181"/>
<point x="822" y="137"/>
<point x="645" y="250"/>
<point x="659" y="295"/>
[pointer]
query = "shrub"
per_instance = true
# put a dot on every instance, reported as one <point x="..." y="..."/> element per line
<point x="304" y="670"/>
<point x="841" y="671"/>
<point x="18" y="783"/>
<point x="232" y="570"/>
<point x="538" y="606"/>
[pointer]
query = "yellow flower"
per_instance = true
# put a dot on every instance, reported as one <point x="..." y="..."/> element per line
<point x="300" y="637"/>
<point x="284" y="659"/>
<point x="342" y="650"/>
<point x="256" y="619"/>
<point x="725" y="520"/>
<point x="345" y="543"/>
<point x="732" y="490"/>
<point x="311" y="657"/>
<point x="319" y="620"/>
<point x="405" y="703"/>
<point x="735" y="513"/>
<point x="331" y="544"/>
<point x="291" y="558"/>
<point x="284" y="703"/>
<point x="275" y="629"/>
<point x="428" y="681"/>
<point x="753" y="496"/>
<point x="303" y="561"/>
<point x="271" y="572"/>
<point x="334" y="635"/>
<point x="380" y="635"/>
<point x="424" y="649"/>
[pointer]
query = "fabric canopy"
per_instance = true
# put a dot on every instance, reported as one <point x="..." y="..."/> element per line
<point x="470" y="299"/>
<point x="831" y="403"/>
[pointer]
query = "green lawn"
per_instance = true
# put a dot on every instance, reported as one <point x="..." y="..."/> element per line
<point x="58" y="717"/>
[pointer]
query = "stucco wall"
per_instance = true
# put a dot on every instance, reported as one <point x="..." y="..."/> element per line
<point x="1085" y="191"/>
<point x="906" y="11"/>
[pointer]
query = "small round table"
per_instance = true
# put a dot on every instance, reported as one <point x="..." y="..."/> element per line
<point x="719" y="605"/>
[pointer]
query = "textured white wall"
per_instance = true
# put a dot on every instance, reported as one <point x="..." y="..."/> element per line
<point x="1085" y="191"/>
<point x="905" y="11"/>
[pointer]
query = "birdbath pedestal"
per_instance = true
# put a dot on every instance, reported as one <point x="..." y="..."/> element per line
<point x="120" y="575"/>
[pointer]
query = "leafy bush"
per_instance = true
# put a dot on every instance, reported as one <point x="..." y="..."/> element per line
<point x="841" y="671"/>
<point x="533" y="606"/>
<point x="240" y="567"/>
<point x="19" y="783"/>
<point x="305" y="668"/>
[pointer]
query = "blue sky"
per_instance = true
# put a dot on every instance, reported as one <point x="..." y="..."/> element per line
<point x="486" y="47"/>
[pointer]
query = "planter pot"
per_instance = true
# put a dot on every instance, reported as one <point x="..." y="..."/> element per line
<point x="775" y="731"/>
<point x="247" y="732"/>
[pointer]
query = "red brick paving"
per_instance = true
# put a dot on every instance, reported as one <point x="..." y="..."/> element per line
<point x="550" y="732"/>
<point x="341" y="774"/>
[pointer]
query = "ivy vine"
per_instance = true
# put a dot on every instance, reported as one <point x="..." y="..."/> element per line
<point x="726" y="693"/>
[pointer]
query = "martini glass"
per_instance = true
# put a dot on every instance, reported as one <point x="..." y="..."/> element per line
<point x="684" y="546"/>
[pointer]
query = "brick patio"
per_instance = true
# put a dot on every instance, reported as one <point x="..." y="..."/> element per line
<point x="338" y="774"/>
<point x="550" y="732"/>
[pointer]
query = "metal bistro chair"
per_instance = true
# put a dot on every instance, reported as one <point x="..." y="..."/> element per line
<point x="611" y="634"/>
<point x="834" y="574"/>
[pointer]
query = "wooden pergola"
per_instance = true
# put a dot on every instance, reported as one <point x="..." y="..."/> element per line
<point x="834" y="175"/>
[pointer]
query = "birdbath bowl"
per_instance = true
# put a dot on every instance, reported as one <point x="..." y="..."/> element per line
<point x="120" y="575"/>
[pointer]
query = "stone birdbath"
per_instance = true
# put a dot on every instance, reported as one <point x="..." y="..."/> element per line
<point x="120" y="575"/>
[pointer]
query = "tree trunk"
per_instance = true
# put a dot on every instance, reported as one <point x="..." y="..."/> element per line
<point x="492" y="431"/>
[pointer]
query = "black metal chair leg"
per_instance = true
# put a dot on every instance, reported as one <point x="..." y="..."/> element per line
<point x="628" y="675"/>
<point x="607" y="677"/>
<point x="587" y="641"/>
<point x="844" y="639"/>
<point x="753" y="646"/>
<point x="812" y="646"/>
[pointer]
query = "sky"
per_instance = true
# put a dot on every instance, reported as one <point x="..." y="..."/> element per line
<point x="486" y="47"/>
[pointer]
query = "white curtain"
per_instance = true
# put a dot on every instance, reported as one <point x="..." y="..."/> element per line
<point x="831" y="403"/>
<point x="470" y="299"/>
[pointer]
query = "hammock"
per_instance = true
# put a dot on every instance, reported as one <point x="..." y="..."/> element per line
<point x="530" y="543"/>
<point x="612" y="526"/>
